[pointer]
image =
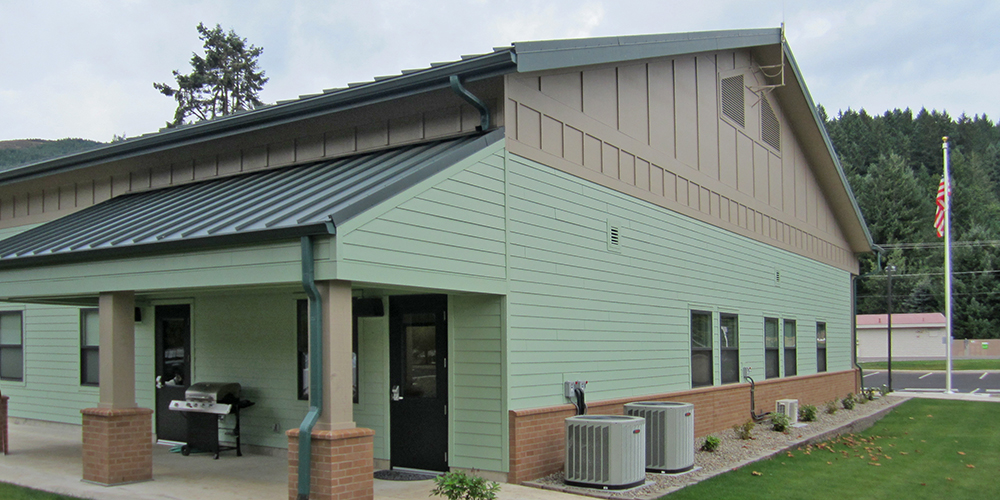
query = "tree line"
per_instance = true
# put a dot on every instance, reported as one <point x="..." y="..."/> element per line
<point x="894" y="163"/>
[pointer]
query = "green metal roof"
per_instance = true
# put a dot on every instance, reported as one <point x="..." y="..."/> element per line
<point x="267" y="205"/>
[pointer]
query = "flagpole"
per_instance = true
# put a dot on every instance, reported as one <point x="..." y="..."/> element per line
<point x="947" y="266"/>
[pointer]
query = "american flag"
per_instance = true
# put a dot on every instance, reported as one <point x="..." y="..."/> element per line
<point x="939" y="213"/>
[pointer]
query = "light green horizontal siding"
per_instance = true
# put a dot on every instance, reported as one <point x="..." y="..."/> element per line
<point x="372" y="410"/>
<point x="251" y="339"/>
<point x="447" y="232"/>
<point x="620" y="320"/>
<point x="478" y="424"/>
<point x="51" y="387"/>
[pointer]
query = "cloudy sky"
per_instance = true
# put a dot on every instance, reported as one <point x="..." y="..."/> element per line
<point x="85" y="68"/>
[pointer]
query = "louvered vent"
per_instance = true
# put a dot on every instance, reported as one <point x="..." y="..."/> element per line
<point x="732" y="99"/>
<point x="614" y="237"/>
<point x="770" y="129"/>
<point x="777" y="277"/>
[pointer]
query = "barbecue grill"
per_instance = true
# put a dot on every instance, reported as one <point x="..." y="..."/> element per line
<point x="204" y="405"/>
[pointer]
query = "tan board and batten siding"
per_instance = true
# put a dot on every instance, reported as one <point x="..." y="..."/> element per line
<point x="654" y="130"/>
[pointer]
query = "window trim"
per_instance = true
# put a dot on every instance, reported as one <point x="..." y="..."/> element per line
<point x="302" y="350"/>
<point x="19" y="346"/>
<point x="793" y="350"/>
<point x="701" y="350"/>
<point x="723" y="348"/>
<point x="85" y="348"/>
<point x="821" y="348"/>
<point x="775" y="350"/>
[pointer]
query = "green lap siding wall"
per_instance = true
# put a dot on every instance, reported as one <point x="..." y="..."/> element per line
<point x="372" y="409"/>
<point x="51" y="389"/>
<point x="620" y="318"/>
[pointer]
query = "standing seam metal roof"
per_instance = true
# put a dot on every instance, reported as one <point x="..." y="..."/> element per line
<point x="280" y="203"/>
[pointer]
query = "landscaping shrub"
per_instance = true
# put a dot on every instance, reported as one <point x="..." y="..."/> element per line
<point x="831" y="407"/>
<point x="711" y="443"/>
<point x="848" y="401"/>
<point x="779" y="422"/>
<point x="807" y="413"/>
<point x="457" y="486"/>
<point x="744" y="431"/>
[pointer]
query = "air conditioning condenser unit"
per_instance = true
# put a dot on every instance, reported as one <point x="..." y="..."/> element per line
<point x="669" y="434"/>
<point x="605" y="451"/>
<point x="789" y="407"/>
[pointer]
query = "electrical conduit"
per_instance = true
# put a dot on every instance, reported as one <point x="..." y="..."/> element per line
<point x="315" y="367"/>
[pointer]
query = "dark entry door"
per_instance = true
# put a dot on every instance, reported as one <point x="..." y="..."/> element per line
<point x="173" y="368"/>
<point x="418" y="407"/>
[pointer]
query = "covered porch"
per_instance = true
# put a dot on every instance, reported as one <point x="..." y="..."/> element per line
<point x="48" y="456"/>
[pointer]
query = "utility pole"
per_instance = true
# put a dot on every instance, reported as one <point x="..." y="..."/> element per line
<point x="889" y="270"/>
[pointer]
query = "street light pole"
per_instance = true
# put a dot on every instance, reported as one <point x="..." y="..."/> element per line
<point x="889" y="270"/>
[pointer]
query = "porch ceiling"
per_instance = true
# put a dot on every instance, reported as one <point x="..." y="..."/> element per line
<point x="250" y="208"/>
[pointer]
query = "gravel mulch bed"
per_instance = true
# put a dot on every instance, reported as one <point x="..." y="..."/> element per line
<point x="735" y="453"/>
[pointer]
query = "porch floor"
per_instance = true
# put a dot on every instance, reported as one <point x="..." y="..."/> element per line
<point x="48" y="457"/>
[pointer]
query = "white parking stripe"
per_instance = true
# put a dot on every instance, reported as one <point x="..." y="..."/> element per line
<point x="928" y="374"/>
<point x="984" y="375"/>
<point x="922" y="389"/>
<point x="873" y="373"/>
<point x="974" y="391"/>
<point x="992" y="390"/>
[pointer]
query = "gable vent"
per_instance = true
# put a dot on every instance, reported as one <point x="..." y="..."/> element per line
<point x="732" y="99"/>
<point x="770" y="129"/>
<point x="614" y="237"/>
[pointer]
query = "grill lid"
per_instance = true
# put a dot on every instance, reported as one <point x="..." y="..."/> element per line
<point x="217" y="392"/>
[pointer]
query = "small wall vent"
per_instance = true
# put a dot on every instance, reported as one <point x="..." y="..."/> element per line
<point x="614" y="237"/>
<point x="733" y="105"/>
<point x="777" y="277"/>
<point x="770" y="128"/>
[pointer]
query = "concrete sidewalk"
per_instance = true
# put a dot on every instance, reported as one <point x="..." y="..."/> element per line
<point x="47" y="457"/>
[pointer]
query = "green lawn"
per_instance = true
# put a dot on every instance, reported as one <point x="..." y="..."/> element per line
<point x="925" y="448"/>
<point x="957" y="364"/>
<point x="13" y="492"/>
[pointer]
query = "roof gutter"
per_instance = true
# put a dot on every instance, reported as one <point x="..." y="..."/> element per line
<point x="408" y="84"/>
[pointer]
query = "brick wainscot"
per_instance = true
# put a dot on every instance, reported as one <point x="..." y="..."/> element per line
<point x="538" y="438"/>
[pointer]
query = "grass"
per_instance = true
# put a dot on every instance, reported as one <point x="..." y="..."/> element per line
<point x="957" y="364"/>
<point x="14" y="492"/>
<point x="924" y="449"/>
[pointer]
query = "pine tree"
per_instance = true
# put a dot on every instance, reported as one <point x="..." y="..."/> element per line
<point x="226" y="80"/>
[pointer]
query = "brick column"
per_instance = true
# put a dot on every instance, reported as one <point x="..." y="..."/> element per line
<point x="342" y="464"/>
<point x="117" y="445"/>
<point x="4" y="442"/>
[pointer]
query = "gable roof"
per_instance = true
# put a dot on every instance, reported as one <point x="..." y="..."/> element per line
<point x="265" y="205"/>
<point x="767" y="44"/>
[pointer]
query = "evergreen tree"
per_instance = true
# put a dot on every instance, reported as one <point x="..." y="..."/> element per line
<point x="226" y="80"/>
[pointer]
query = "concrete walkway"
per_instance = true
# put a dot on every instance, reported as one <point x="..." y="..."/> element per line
<point x="48" y="457"/>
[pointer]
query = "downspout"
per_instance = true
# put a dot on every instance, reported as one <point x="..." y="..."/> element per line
<point x="315" y="367"/>
<point x="854" y="315"/>
<point x="484" y="111"/>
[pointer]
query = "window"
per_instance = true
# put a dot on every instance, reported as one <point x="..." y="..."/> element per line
<point x="701" y="348"/>
<point x="820" y="347"/>
<point x="11" y="346"/>
<point x="790" y="362"/>
<point x="302" y="340"/>
<point x="772" y="368"/>
<point x="729" y="346"/>
<point x="90" y="355"/>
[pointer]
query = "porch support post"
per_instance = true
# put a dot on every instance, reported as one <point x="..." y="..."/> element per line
<point x="338" y="384"/>
<point x="342" y="455"/>
<point x="117" y="436"/>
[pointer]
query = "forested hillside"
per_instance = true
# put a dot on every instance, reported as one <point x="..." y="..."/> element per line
<point x="24" y="151"/>
<point x="894" y="163"/>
